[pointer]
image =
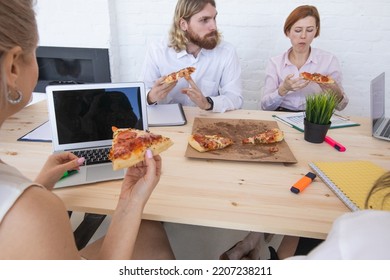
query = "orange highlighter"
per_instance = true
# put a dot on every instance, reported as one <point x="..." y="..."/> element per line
<point x="303" y="183"/>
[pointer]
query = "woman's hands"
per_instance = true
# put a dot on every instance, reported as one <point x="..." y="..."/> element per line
<point x="335" y="88"/>
<point x="137" y="186"/>
<point x="55" y="167"/>
<point x="290" y="84"/>
<point x="141" y="179"/>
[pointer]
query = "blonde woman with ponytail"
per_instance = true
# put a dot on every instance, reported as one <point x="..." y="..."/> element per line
<point x="34" y="223"/>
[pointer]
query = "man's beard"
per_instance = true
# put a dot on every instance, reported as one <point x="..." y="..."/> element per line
<point x="208" y="42"/>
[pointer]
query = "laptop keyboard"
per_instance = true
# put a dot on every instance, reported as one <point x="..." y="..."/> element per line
<point x="94" y="156"/>
<point x="386" y="130"/>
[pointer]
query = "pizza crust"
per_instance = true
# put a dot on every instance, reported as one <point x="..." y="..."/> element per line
<point x="161" y="147"/>
<point x="211" y="142"/>
<point x="194" y="144"/>
<point x="279" y="136"/>
<point x="125" y="163"/>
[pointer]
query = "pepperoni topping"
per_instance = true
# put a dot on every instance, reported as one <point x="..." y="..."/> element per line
<point x="127" y="142"/>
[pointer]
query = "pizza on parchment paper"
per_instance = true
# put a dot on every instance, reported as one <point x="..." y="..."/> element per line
<point x="269" y="136"/>
<point x="204" y="143"/>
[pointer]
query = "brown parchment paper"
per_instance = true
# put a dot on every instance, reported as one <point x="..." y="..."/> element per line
<point x="238" y="129"/>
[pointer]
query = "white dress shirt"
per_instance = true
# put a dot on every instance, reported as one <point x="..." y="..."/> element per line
<point x="361" y="235"/>
<point x="279" y="67"/>
<point x="217" y="74"/>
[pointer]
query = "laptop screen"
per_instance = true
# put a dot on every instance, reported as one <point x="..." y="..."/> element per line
<point x="377" y="90"/>
<point x="84" y="114"/>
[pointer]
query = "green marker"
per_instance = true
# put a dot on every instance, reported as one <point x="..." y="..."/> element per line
<point x="68" y="173"/>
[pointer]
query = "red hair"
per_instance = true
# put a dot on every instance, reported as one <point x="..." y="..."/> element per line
<point x="300" y="13"/>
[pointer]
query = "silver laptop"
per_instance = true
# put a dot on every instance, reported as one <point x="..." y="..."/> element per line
<point x="81" y="117"/>
<point x="380" y="124"/>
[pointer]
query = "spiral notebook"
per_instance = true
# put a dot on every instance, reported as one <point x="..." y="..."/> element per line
<point x="351" y="181"/>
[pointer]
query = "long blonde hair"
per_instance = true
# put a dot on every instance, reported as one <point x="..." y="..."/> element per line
<point x="380" y="190"/>
<point x="18" y="27"/>
<point x="185" y="9"/>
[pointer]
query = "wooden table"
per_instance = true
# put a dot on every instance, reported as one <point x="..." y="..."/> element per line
<point x="226" y="194"/>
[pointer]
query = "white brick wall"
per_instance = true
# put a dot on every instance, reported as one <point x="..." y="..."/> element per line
<point x="357" y="32"/>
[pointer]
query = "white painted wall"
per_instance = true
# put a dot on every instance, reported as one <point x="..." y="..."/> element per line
<point x="357" y="32"/>
<point x="74" y="23"/>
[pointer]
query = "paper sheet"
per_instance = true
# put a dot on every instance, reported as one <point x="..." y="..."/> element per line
<point x="237" y="129"/>
<point x="166" y="115"/>
<point x="295" y="120"/>
<point x="40" y="134"/>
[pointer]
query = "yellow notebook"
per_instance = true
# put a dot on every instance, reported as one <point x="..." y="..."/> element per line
<point x="351" y="181"/>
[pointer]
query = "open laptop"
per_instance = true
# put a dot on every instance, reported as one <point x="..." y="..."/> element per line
<point x="81" y="117"/>
<point x="380" y="124"/>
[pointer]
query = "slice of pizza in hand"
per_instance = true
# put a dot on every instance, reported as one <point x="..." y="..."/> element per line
<point x="269" y="136"/>
<point x="186" y="72"/>
<point x="204" y="143"/>
<point x="171" y="78"/>
<point x="129" y="146"/>
<point x="317" y="78"/>
<point x="182" y="73"/>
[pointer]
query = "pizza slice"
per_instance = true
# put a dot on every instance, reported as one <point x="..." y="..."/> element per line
<point x="317" y="78"/>
<point x="182" y="73"/>
<point x="186" y="72"/>
<point x="267" y="137"/>
<point x="204" y="143"/>
<point x="129" y="146"/>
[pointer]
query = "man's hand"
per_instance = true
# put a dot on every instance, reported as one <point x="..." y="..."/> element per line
<point x="194" y="93"/>
<point x="160" y="90"/>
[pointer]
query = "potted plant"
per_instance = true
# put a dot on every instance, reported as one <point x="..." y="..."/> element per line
<point x="319" y="109"/>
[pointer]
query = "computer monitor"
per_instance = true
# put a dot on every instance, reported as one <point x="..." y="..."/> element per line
<point x="64" y="65"/>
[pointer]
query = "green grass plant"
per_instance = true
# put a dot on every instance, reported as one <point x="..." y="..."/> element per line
<point x="320" y="107"/>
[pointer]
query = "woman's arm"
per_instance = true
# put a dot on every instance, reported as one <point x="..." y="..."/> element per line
<point x="37" y="227"/>
<point x="271" y="99"/>
<point x="137" y="186"/>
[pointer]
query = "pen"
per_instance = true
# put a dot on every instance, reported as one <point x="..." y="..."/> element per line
<point x="68" y="173"/>
<point x="303" y="183"/>
<point x="342" y="117"/>
<point x="335" y="144"/>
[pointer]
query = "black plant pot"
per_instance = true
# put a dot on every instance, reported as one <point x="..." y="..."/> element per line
<point x="315" y="133"/>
